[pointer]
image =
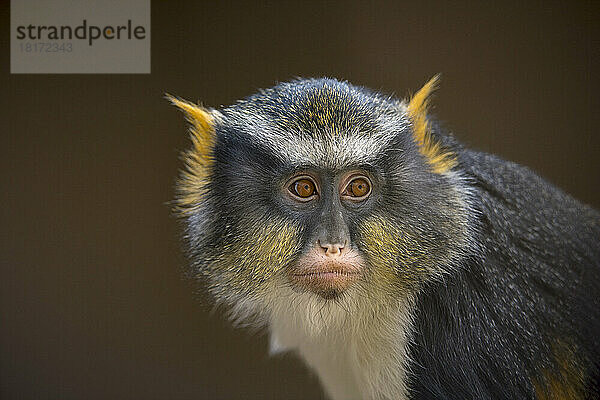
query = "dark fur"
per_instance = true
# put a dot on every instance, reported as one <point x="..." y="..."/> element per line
<point x="487" y="331"/>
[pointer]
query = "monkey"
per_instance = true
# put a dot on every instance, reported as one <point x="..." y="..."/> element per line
<point x="361" y="235"/>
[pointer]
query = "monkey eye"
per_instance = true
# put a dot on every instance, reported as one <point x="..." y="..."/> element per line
<point x="359" y="188"/>
<point x="304" y="189"/>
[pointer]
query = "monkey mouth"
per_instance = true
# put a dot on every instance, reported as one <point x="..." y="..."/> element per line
<point x="327" y="281"/>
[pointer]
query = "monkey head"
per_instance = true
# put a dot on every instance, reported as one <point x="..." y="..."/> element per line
<point x="322" y="192"/>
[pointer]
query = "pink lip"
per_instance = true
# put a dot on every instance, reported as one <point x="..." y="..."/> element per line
<point x="329" y="281"/>
<point x="326" y="275"/>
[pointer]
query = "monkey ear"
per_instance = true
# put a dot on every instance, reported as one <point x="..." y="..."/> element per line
<point x="440" y="160"/>
<point x="198" y="160"/>
<point x="202" y="121"/>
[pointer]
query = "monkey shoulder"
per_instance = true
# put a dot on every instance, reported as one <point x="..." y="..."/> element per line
<point x="518" y="207"/>
<point x="524" y="305"/>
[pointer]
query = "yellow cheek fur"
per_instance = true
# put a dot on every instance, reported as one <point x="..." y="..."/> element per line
<point x="388" y="250"/>
<point x="259" y="253"/>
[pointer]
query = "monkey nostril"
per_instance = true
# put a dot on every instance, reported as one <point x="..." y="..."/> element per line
<point x="332" y="249"/>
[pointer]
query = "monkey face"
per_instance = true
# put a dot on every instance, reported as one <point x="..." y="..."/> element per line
<point x="319" y="187"/>
<point x="330" y="262"/>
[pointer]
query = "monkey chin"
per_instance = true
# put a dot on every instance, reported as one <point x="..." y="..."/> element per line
<point x="326" y="278"/>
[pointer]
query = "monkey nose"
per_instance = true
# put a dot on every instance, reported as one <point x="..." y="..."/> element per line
<point x="332" y="249"/>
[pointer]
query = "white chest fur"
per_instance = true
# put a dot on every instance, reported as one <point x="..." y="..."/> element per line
<point x="358" y="350"/>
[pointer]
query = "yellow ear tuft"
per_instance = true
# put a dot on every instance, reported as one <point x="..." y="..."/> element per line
<point x="439" y="159"/>
<point x="195" y="114"/>
<point x="198" y="160"/>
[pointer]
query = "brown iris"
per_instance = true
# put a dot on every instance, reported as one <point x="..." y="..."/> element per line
<point x="358" y="188"/>
<point x="303" y="188"/>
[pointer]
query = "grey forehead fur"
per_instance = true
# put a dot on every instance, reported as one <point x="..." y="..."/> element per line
<point x="321" y="122"/>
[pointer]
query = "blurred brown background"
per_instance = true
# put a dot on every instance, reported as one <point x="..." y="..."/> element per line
<point x="92" y="302"/>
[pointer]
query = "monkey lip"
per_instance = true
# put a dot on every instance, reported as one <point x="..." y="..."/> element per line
<point x="328" y="280"/>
